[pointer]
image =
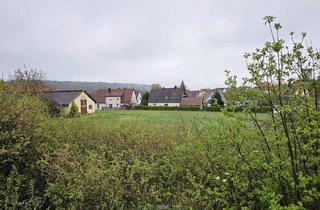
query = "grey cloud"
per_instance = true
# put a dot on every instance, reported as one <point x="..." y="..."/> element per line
<point x="145" y="41"/>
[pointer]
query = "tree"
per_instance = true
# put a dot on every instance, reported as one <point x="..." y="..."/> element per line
<point x="74" y="111"/>
<point x="184" y="88"/>
<point x="289" y="136"/>
<point x="21" y="117"/>
<point x="155" y="86"/>
<point x="28" y="80"/>
<point x="53" y="108"/>
<point x="145" y="99"/>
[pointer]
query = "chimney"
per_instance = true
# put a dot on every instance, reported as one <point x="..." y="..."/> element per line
<point x="109" y="90"/>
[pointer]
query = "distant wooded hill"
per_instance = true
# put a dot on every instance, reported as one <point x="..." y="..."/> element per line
<point x="75" y="85"/>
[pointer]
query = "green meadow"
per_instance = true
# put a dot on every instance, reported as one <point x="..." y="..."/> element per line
<point x="152" y="117"/>
<point x="161" y="118"/>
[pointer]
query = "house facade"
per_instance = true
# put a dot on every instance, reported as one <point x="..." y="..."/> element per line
<point x="63" y="99"/>
<point x="115" y="98"/>
<point x="138" y="96"/>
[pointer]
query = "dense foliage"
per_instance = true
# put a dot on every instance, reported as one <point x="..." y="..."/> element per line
<point x="168" y="108"/>
<point x="21" y="115"/>
<point x="145" y="99"/>
<point x="285" y="78"/>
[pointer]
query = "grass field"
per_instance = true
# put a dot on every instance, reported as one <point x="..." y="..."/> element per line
<point x="153" y="117"/>
<point x="158" y="117"/>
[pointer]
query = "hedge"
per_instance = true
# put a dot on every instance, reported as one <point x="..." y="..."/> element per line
<point x="167" y="108"/>
<point x="262" y="109"/>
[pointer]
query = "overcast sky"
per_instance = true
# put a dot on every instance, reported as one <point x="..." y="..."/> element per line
<point x="144" y="41"/>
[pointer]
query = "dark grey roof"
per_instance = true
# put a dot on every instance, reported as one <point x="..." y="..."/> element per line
<point x="63" y="97"/>
<point x="166" y="95"/>
<point x="136" y="92"/>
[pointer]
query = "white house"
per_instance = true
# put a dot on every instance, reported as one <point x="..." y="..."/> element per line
<point x="138" y="96"/>
<point x="115" y="98"/>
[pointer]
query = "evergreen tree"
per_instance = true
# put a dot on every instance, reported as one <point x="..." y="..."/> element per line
<point x="73" y="111"/>
<point x="145" y="99"/>
<point x="184" y="89"/>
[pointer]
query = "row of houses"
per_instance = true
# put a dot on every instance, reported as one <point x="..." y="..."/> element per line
<point x="89" y="102"/>
<point x="102" y="99"/>
<point x="177" y="97"/>
<point x="116" y="98"/>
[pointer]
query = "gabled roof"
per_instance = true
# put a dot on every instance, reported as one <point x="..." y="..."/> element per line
<point x="194" y="101"/>
<point x="127" y="96"/>
<point x="100" y="95"/>
<point x="63" y="97"/>
<point x="206" y="94"/>
<point x="114" y="93"/>
<point x="137" y="92"/>
<point x="193" y="93"/>
<point x="166" y="95"/>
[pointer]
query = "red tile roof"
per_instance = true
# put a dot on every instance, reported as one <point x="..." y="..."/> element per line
<point x="100" y="95"/>
<point x="125" y="94"/>
<point x="191" y="101"/>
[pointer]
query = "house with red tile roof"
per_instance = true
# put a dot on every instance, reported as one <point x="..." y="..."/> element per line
<point x="192" y="102"/>
<point x="115" y="98"/>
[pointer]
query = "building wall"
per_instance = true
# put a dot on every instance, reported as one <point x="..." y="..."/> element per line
<point x="134" y="99"/>
<point x="163" y="104"/>
<point x="101" y="106"/>
<point x="115" y="102"/>
<point x="139" y="97"/>
<point x="91" y="105"/>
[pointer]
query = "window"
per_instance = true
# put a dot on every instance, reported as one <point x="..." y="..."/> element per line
<point x="118" y="99"/>
<point x="90" y="106"/>
<point x="165" y="104"/>
<point x="83" y="102"/>
<point x="110" y="105"/>
<point x="154" y="104"/>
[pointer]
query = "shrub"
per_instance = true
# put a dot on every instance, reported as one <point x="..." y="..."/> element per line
<point x="20" y="118"/>
<point x="168" y="108"/>
<point x="74" y="111"/>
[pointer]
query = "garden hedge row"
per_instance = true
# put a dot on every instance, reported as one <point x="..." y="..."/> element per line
<point x="168" y="108"/>
<point x="262" y="109"/>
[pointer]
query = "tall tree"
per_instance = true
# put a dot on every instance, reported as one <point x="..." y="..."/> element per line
<point x="184" y="88"/>
<point x="145" y="99"/>
<point x="28" y="80"/>
<point x="155" y="86"/>
<point x="290" y="132"/>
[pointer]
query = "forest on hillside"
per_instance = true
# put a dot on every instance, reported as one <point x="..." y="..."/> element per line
<point x="92" y="86"/>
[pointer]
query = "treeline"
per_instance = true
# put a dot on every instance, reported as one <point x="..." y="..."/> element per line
<point x="93" y="86"/>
